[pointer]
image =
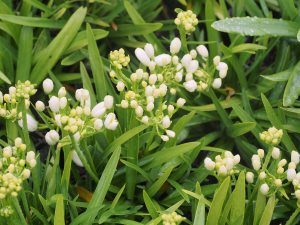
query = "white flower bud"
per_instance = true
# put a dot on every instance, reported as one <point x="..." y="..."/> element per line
<point x="76" y="159"/>
<point x="7" y="152"/>
<point x="292" y="165"/>
<point x="290" y="174"/>
<point x="223" y="171"/>
<point x="166" y="122"/>
<point x="175" y="59"/>
<point x="48" y="85"/>
<point x="162" y="60"/>
<point x="186" y="60"/>
<point x="124" y="104"/>
<point x="262" y="175"/>
<point x="30" y="156"/>
<point x="209" y="164"/>
<point x="120" y="86"/>
<point x="275" y="153"/>
<point x="145" y="119"/>
<point x="149" y="49"/>
<point x="165" y="138"/>
<point x="98" y="124"/>
<point x="171" y="109"/>
<point x="52" y="137"/>
<point x="280" y="170"/>
<point x="63" y="102"/>
<point x="40" y="106"/>
<point x="282" y="163"/>
<point x="111" y="122"/>
<point x="62" y="92"/>
<point x="180" y="102"/>
<point x="170" y="133"/>
<point x="1" y="97"/>
<point x="256" y="162"/>
<point x="108" y="101"/>
<point x="54" y="104"/>
<point x="236" y="159"/>
<point x="134" y="104"/>
<point x="98" y="110"/>
<point x="250" y="177"/>
<point x="216" y="60"/>
<point x="139" y="111"/>
<point x="150" y="106"/>
<point x="278" y="182"/>
<point x="26" y="173"/>
<point x="222" y="74"/>
<point x="193" y="53"/>
<point x="264" y="189"/>
<point x="193" y="66"/>
<point x="202" y="50"/>
<point x="295" y="157"/>
<point x="32" y="124"/>
<point x="142" y="56"/>
<point x="260" y="153"/>
<point x="178" y="76"/>
<point x="152" y="79"/>
<point x="190" y="85"/>
<point x="297" y="194"/>
<point x="217" y="83"/>
<point x="175" y="45"/>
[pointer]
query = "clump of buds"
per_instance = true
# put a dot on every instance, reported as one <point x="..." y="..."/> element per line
<point x="118" y="58"/>
<point x="272" y="136"/>
<point x="224" y="165"/>
<point x="172" y="218"/>
<point x="187" y="20"/>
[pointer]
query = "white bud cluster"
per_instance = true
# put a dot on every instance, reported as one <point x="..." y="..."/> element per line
<point x="80" y="120"/>
<point x="172" y="218"/>
<point x="224" y="165"/>
<point x="272" y="136"/>
<point x="10" y="102"/>
<point x="6" y="211"/>
<point x="187" y="20"/>
<point x="119" y="59"/>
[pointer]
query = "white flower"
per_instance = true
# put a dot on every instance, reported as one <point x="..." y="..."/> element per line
<point x="52" y="137"/>
<point x="223" y="171"/>
<point x="175" y="45"/>
<point x="164" y="137"/>
<point x="236" y="159"/>
<point x="152" y="79"/>
<point x="76" y="159"/>
<point x="282" y="163"/>
<point x="209" y="164"/>
<point x="83" y="96"/>
<point x="193" y="53"/>
<point x="297" y="194"/>
<point x="54" y="104"/>
<point x="134" y="104"/>
<point x="202" y="50"/>
<point x="120" y="86"/>
<point x="290" y="174"/>
<point x="262" y="175"/>
<point x="275" y="153"/>
<point x="193" y="66"/>
<point x="278" y="182"/>
<point x="32" y="124"/>
<point x="222" y="74"/>
<point x="98" y="124"/>
<point x="40" y="106"/>
<point x="180" y="102"/>
<point x="77" y="136"/>
<point x="57" y="119"/>
<point x="30" y="156"/>
<point x="12" y="90"/>
<point x="170" y="133"/>
<point x="108" y="101"/>
<point x="217" y="83"/>
<point x="26" y="173"/>
<point x="62" y="92"/>
<point x="149" y="49"/>
<point x="295" y="157"/>
<point x="250" y="177"/>
<point x="190" y="85"/>
<point x="260" y="153"/>
<point x="1" y="97"/>
<point x="7" y="152"/>
<point x="264" y="189"/>
<point x="175" y="59"/>
<point x="178" y="76"/>
<point x="98" y="110"/>
<point x="124" y="104"/>
<point x="166" y="122"/>
<point x="63" y="102"/>
<point x="256" y="162"/>
<point x="150" y="106"/>
<point x="142" y="56"/>
<point x="48" y="85"/>
<point x="111" y="122"/>
<point x="163" y="59"/>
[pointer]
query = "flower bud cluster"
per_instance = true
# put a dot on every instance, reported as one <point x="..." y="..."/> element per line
<point x="172" y="218"/>
<point x="80" y="119"/>
<point x="118" y="58"/>
<point x="10" y="102"/>
<point x="224" y="165"/>
<point x="272" y="136"/>
<point x="15" y="164"/>
<point x="6" y="211"/>
<point x="187" y="20"/>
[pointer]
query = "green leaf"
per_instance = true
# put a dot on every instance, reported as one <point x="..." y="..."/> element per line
<point x="154" y="188"/>
<point x="212" y="107"/>
<point x="59" y="217"/>
<point x="57" y="47"/>
<point x="292" y="89"/>
<point x="150" y="205"/>
<point x="137" y="168"/>
<point x="254" y="26"/>
<point x="4" y="78"/>
<point x="259" y="207"/>
<point x="239" y="201"/>
<point x="103" y="185"/>
<point x="281" y="76"/>
<point x="239" y="129"/>
<point x="135" y="29"/>
<point x="268" y="211"/>
<point x="96" y="64"/>
<point x="217" y="203"/>
<point x="32" y="21"/>
<point x="247" y="47"/>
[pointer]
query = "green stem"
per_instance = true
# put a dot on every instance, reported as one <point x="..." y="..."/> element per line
<point x="183" y="40"/>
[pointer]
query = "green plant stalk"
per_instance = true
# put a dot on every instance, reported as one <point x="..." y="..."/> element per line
<point x="183" y="39"/>
<point x="19" y="211"/>
<point x="83" y="159"/>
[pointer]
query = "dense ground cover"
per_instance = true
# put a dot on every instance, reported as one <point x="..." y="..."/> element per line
<point x="149" y="112"/>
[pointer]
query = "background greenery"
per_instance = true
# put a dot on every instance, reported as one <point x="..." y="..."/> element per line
<point x="70" y="42"/>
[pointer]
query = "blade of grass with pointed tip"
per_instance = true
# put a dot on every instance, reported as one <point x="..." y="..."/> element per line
<point x="57" y="46"/>
<point x="59" y="217"/>
<point x="292" y="89"/>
